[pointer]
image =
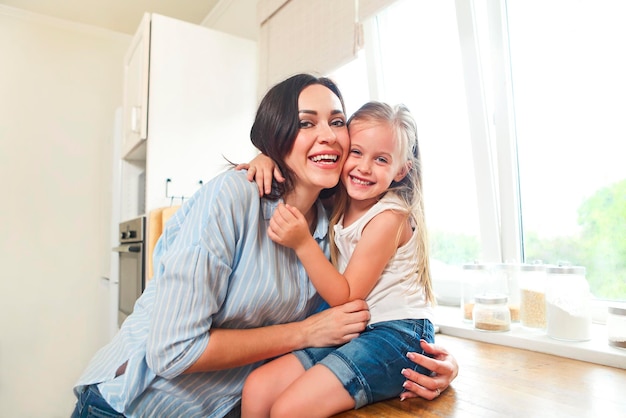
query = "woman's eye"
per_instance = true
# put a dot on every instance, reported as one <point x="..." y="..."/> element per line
<point x="305" y="124"/>
<point x="338" y="122"/>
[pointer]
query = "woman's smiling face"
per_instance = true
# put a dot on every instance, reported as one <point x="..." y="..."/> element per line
<point x="320" y="148"/>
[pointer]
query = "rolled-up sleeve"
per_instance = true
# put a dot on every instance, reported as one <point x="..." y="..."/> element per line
<point x="193" y="264"/>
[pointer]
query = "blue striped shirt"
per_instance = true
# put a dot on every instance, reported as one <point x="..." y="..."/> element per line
<point x="214" y="266"/>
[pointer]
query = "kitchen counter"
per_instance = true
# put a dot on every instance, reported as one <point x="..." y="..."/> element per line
<point x="499" y="381"/>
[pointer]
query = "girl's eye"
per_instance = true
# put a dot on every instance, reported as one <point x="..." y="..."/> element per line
<point x="355" y="152"/>
<point x="382" y="160"/>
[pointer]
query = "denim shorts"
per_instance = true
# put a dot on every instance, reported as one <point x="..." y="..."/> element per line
<point x="91" y="404"/>
<point x="369" y="367"/>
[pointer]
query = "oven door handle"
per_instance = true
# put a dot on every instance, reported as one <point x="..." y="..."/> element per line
<point x="128" y="248"/>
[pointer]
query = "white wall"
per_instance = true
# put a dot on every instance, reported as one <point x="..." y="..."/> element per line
<point x="59" y="87"/>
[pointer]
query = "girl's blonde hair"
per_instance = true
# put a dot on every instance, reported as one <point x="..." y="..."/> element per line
<point x="409" y="189"/>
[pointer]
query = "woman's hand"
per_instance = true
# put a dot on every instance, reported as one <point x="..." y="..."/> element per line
<point x="444" y="370"/>
<point x="335" y="326"/>
<point x="262" y="170"/>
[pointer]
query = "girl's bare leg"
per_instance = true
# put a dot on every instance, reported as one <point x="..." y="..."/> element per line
<point x="266" y="383"/>
<point x="316" y="393"/>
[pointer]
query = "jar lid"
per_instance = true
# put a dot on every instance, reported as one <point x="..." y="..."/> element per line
<point x="475" y="266"/>
<point x="493" y="299"/>
<point x="616" y="310"/>
<point x="532" y="267"/>
<point x="566" y="270"/>
<point x="506" y="266"/>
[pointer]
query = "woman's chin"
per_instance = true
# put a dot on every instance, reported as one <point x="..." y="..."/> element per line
<point x="330" y="183"/>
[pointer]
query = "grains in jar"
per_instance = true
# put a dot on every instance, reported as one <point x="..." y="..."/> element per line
<point x="491" y="313"/>
<point x="474" y="281"/>
<point x="616" y="326"/>
<point x="532" y="288"/>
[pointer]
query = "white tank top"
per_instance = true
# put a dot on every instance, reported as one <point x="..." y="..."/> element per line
<point x="395" y="295"/>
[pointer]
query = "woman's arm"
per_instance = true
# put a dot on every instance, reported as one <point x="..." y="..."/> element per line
<point x="196" y="257"/>
<point x="229" y="348"/>
<point x="377" y="245"/>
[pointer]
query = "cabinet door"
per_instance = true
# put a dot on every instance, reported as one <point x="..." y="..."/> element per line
<point x="202" y="105"/>
<point x="136" y="74"/>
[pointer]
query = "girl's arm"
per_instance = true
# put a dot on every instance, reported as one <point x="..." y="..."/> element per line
<point x="261" y="170"/>
<point x="191" y="285"/>
<point x="378" y="243"/>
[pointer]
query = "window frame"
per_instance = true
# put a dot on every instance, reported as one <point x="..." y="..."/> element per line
<point x="489" y="94"/>
<point x="491" y="125"/>
<point x="490" y="54"/>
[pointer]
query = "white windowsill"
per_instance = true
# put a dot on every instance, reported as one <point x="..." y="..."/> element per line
<point x="597" y="350"/>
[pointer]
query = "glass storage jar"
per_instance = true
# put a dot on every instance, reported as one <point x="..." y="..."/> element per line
<point x="616" y="326"/>
<point x="532" y="288"/>
<point x="491" y="313"/>
<point x="475" y="277"/>
<point x="506" y="281"/>
<point x="568" y="303"/>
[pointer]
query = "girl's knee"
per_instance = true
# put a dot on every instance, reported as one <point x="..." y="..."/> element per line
<point x="283" y="408"/>
<point x="253" y="396"/>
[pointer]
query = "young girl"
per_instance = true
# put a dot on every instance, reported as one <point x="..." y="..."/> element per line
<point x="381" y="255"/>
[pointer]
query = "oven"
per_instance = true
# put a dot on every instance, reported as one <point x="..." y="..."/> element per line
<point x="131" y="265"/>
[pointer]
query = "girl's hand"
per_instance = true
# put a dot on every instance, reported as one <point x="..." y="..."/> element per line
<point x="288" y="227"/>
<point x="261" y="169"/>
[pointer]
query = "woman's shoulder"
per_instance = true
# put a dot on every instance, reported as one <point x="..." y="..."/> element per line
<point x="232" y="183"/>
<point x="228" y="191"/>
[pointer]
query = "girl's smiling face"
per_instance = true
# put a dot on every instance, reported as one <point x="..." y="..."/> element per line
<point x="374" y="160"/>
<point x="319" y="150"/>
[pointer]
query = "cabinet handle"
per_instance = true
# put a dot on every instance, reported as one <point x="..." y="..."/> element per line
<point x="135" y="118"/>
<point x="128" y="248"/>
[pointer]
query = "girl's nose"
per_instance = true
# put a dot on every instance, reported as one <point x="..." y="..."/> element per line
<point x="364" y="166"/>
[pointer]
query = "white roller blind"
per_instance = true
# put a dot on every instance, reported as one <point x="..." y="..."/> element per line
<point x="368" y="8"/>
<point x="304" y="36"/>
<point x="315" y="36"/>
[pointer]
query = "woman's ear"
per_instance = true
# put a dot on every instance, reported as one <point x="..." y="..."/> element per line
<point x="403" y="171"/>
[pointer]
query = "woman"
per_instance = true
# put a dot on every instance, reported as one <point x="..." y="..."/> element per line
<point x="224" y="297"/>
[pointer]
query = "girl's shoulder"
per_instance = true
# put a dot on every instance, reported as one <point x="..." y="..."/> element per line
<point x="390" y="201"/>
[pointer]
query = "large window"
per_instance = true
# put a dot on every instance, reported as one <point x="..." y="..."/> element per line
<point x="414" y="48"/>
<point x="568" y="61"/>
<point x="520" y="107"/>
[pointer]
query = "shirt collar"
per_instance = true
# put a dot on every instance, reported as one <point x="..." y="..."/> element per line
<point x="321" y="230"/>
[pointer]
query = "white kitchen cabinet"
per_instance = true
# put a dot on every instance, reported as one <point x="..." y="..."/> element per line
<point x="189" y="102"/>
<point x="136" y="77"/>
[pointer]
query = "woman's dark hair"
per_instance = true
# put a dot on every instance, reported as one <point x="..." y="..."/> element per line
<point x="277" y="123"/>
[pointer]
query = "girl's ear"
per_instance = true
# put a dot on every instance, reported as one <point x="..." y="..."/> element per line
<point x="403" y="171"/>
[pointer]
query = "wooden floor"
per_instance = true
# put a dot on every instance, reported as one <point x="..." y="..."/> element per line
<point x="497" y="381"/>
